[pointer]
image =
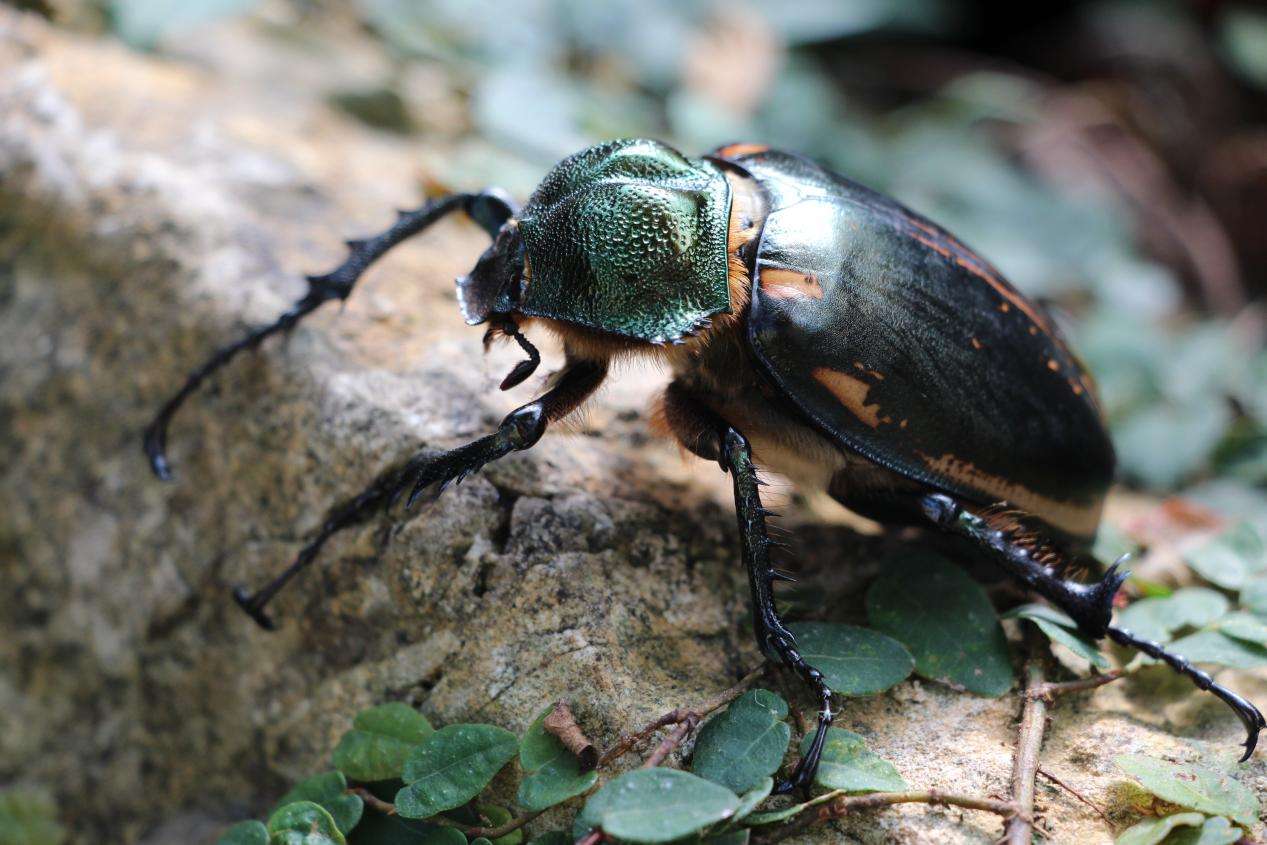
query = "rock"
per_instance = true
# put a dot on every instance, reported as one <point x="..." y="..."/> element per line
<point x="149" y="211"/>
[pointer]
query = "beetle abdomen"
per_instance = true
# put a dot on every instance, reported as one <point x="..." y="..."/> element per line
<point x="910" y="349"/>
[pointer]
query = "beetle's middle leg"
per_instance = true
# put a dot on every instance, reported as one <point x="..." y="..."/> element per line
<point x="428" y="474"/>
<point x="707" y="435"/>
<point x="1089" y="605"/>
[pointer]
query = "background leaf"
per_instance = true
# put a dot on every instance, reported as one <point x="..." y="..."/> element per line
<point x="1230" y="559"/>
<point x="853" y="660"/>
<point x="330" y="791"/>
<point x="1217" y="647"/>
<point x="380" y="741"/>
<point x="143" y="23"/>
<point x="1153" y="831"/>
<point x="1059" y="628"/>
<point x="745" y="743"/>
<point x="379" y="829"/>
<point x="29" y="817"/>
<point x="658" y="805"/>
<point x="946" y="621"/>
<point x="1192" y="786"/>
<point x="1215" y="831"/>
<point x="452" y="766"/>
<point x="848" y="765"/>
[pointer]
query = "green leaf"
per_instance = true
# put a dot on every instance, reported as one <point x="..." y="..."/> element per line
<point x="330" y="791"/>
<point x="452" y="766"/>
<point x="1217" y="647"/>
<point x="143" y="23"/>
<point x="1192" y="786"/>
<point x="497" y="816"/>
<point x="1243" y="41"/>
<point x="243" y="833"/>
<point x="1230" y="559"/>
<point x="379" y="829"/>
<point x="1215" y="831"/>
<point x="1148" y="618"/>
<point x="380" y="741"/>
<point x="1254" y="595"/>
<point x="554" y="837"/>
<point x="29" y="817"/>
<point x="848" y="765"/>
<point x="1195" y="607"/>
<point x="745" y="743"/>
<point x="303" y="823"/>
<point x="1245" y="626"/>
<point x="750" y="799"/>
<point x="1153" y="831"/>
<point x="946" y="621"/>
<point x="1059" y="628"/>
<point x="552" y="774"/>
<point x="854" y="661"/>
<point x="658" y="805"/>
<point x="1111" y="543"/>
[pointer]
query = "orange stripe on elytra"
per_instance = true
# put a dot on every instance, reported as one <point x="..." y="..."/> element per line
<point x="742" y="149"/>
<point x="958" y="252"/>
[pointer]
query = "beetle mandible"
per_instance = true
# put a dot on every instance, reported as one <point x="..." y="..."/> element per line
<point x="812" y="326"/>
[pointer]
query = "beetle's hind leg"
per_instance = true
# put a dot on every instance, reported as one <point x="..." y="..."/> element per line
<point x="428" y="474"/>
<point x="490" y="209"/>
<point x="1091" y="606"/>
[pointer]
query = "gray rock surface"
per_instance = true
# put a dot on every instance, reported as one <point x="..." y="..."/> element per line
<point x="150" y="210"/>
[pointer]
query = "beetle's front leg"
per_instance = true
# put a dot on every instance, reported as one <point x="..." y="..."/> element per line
<point x="1091" y="606"/>
<point x="772" y="635"/>
<point x="428" y="474"/>
<point x="489" y="208"/>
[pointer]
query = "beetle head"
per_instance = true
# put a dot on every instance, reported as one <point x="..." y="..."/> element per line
<point x="628" y="238"/>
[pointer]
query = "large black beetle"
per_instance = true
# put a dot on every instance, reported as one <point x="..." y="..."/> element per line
<point x="812" y="326"/>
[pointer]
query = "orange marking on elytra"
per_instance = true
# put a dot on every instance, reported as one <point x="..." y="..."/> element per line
<point x="976" y="344"/>
<point x="782" y="283"/>
<point x="1052" y="365"/>
<point x="741" y="149"/>
<point x="852" y="393"/>
<point x="1076" y="518"/>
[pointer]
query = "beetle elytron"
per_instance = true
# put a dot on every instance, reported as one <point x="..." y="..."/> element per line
<point x="812" y="326"/>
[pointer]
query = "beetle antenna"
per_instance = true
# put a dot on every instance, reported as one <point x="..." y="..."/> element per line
<point x="486" y="208"/>
<point x="524" y="368"/>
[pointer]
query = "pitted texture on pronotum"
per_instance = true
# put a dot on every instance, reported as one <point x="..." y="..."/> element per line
<point x="628" y="237"/>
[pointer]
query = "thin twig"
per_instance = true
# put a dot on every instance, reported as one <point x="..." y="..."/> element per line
<point x="1049" y="691"/>
<point x="502" y="829"/>
<point x="670" y="742"/>
<point x="680" y="715"/>
<point x="1076" y="794"/>
<point x="591" y="838"/>
<point x="1019" y="829"/>
<point x="373" y="801"/>
<point x="842" y="805"/>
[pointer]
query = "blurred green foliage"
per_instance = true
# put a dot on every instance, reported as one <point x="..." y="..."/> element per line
<point x="954" y="137"/>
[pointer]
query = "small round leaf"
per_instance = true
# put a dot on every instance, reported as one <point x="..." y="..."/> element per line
<point x="847" y="764"/>
<point x="380" y="741"/>
<point x="658" y="805"/>
<point x="452" y="766"/>
<point x="946" y="621"/>
<point x="745" y="743"/>
<point x="552" y="774"/>
<point x="303" y="823"/>
<point x="330" y="791"/>
<point x="1193" y="786"/>
<point x="853" y="660"/>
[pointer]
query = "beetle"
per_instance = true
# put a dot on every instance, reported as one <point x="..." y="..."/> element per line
<point x="813" y="327"/>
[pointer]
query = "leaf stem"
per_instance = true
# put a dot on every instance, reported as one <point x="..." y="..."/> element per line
<point x="841" y="805"/>
<point x="373" y="801"/>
